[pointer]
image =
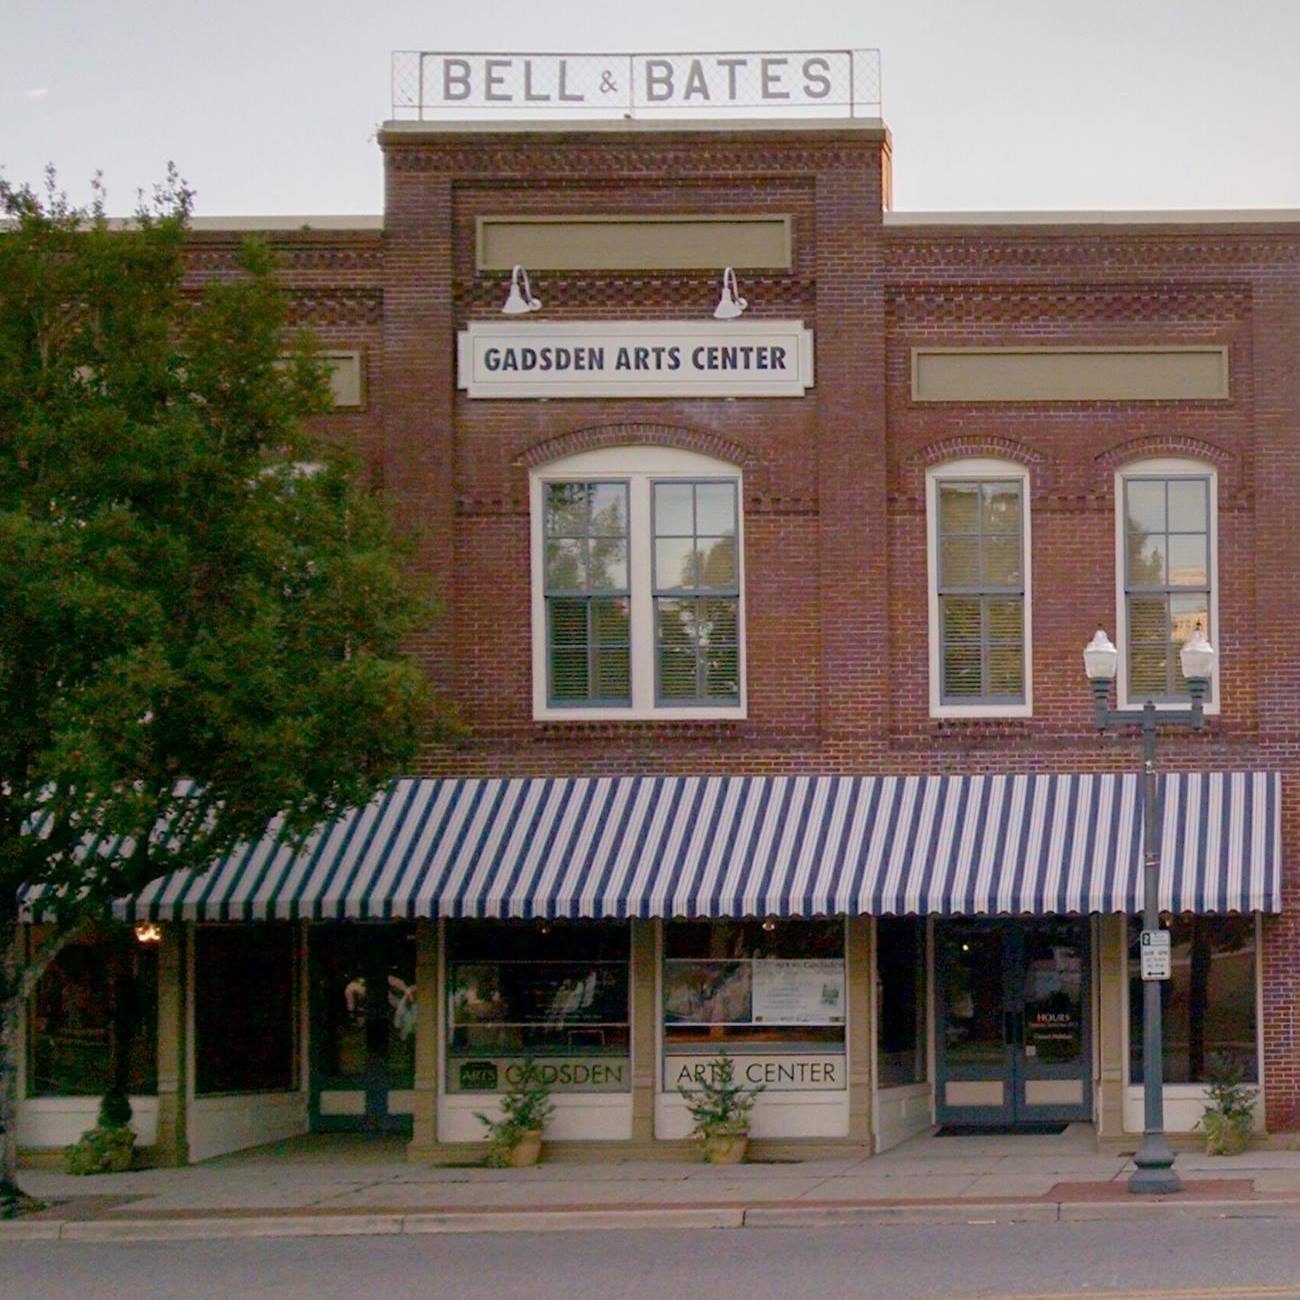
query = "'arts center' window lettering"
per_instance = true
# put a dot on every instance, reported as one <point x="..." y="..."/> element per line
<point x="637" y="586"/>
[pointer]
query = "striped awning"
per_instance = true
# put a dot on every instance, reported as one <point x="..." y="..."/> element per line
<point x="653" y="846"/>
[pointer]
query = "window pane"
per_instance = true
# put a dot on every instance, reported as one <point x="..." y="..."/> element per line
<point x="1146" y="619"/>
<point x="1002" y="562"/>
<point x="550" y="990"/>
<point x="961" y="619"/>
<point x="1005" y="619"/>
<point x="564" y="569"/>
<point x="1148" y="670"/>
<point x="609" y="509"/>
<point x="244" y="1008"/>
<point x="719" y="650"/>
<point x="1208" y="1004"/>
<point x="715" y="507"/>
<point x="675" y="567"/>
<point x="1189" y="563"/>
<point x="1188" y="611"/>
<point x="959" y="563"/>
<point x="1006" y="672"/>
<point x="674" y="509"/>
<point x="900" y="1001"/>
<point x="568" y="649"/>
<point x="961" y="671"/>
<point x="94" y="1008"/>
<point x="607" y="569"/>
<point x="1145" y="505"/>
<point x="566" y="509"/>
<point x="611" y="668"/>
<point x="1001" y="508"/>
<point x="1146" y="560"/>
<point x="1189" y="505"/>
<point x="959" y="507"/>
<point x="718" y="562"/>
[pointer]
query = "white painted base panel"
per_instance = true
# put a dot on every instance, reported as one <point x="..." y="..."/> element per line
<point x="60" y="1121"/>
<point x="578" y="1117"/>
<point x="222" y="1124"/>
<point x="1184" y="1104"/>
<point x="902" y="1113"/>
<point x="777" y="1115"/>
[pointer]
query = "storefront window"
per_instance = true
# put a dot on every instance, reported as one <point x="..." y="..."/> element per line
<point x="94" y="1014"/>
<point x="555" y="991"/>
<point x="1208" y="1003"/>
<point x="245" y="1008"/>
<point x="900" y="1001"/>
<point x="769" y="990"/>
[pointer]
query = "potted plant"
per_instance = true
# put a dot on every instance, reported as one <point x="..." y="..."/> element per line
<point x="109" y="1147"/>
<point x="1229" y="1115"/>
<point x="720" y="1109"/>
<point x="515" y="1140"/>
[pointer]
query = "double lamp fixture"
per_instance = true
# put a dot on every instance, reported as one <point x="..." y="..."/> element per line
<point x="520" y="301"/>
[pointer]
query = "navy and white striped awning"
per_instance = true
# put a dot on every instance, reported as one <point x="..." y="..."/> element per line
<point x="654" y="846"/>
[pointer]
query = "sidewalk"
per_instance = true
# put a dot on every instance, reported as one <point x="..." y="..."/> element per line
<point x="312" y="1187"/>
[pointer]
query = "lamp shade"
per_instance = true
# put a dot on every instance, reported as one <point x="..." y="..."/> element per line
<point x="1100" y="658"/>
<point x="1197" y="656"/>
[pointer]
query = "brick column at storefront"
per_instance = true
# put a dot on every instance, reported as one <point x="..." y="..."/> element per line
<point x="860" y="1031"/>
<point x="645" y="1050"/>
<point x="424" y="1133"/>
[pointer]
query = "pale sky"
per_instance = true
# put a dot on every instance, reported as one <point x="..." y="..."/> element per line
<point x="270" y="106"/>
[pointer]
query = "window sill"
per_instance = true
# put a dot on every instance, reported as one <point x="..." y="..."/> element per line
<point x="950" y="711"/>
<point x="686" y="713"/>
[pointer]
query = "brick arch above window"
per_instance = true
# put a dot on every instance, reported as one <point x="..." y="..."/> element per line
<point x="917" y="463"/>
<point x="1164" y="447"/>
<point x="645" y="434"/>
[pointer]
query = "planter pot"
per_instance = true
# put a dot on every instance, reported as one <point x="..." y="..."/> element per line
<point x="526" y="1151"/>
<point x="725" y="1148"/>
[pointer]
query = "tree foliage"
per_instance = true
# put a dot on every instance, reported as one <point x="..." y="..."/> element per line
<point x="201" y="606"/>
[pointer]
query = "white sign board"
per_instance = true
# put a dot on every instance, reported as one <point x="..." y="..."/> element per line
<point x="642" y="359"/>
<point x="779" y="80"/>
<point x="1156" y="955"/>
<point x="798" y="992"/>
<point x="777" y="1072"/>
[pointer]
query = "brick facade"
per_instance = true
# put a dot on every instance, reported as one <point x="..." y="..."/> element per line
<point x="835" y="543"/>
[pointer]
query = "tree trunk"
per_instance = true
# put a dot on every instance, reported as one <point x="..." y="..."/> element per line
<point x="18" y="979"/>
<point x="10" y="1195"/>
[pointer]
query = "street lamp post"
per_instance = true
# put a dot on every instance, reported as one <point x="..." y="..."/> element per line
<point x="1154" y="1157"/>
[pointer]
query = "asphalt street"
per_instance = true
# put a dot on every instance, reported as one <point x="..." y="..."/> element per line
<point x="1168" y="1260"/>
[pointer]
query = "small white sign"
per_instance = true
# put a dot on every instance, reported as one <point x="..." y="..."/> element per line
<point x="777" y="1072"/>
<point x="641" y="359"/>
<point x="1156" y="955"/>
<point x="798" y="991"/>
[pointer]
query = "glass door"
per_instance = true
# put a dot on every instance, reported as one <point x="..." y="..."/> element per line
<point x="1012" y="1024"/>
<point x="363" y="1027"/>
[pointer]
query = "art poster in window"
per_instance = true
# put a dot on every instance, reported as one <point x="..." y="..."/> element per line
<point x="798" y="992"/>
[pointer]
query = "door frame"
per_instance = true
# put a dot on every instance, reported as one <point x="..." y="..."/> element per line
<point x="1014" y="1110"/>
<point x="376" y="1085"/>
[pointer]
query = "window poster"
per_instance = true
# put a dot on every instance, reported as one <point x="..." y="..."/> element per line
<point x="798" y="992"/>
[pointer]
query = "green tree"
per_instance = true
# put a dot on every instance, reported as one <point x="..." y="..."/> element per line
<point x="201" y="607"/>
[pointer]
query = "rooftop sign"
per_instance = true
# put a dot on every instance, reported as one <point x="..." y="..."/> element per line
<point x="440" y="84"/>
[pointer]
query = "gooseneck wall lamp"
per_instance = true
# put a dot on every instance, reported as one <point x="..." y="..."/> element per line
<point x="1154" y="1157"/>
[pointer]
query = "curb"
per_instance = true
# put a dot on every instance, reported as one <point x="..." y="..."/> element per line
<point x="826" y="1215"/>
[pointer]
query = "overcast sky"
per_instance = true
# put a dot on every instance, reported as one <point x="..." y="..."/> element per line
<point x="270" y="106"/>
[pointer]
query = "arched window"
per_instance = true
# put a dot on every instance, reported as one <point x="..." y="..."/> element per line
<point x="1165" y="526"/>
<point x="977" y="515"/>
<point x="637" y="585"/>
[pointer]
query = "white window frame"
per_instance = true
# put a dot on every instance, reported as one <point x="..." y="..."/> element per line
<point x="1169" y="467"/>
<point x="639" y="467"/>
<point x="975" y="470"/>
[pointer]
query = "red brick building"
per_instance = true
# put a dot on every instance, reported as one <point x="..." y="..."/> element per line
<point x="859" y="572"/>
